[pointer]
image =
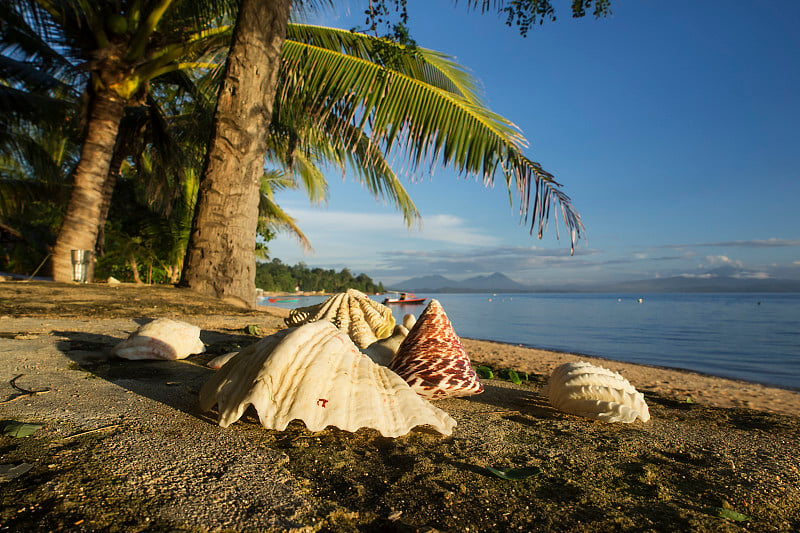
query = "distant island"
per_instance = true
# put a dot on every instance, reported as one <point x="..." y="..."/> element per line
<point x="500" y="283"/>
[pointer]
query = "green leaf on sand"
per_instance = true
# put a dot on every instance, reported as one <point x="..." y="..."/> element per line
<point x="485" y="372"/>
<point x="730" y="514"/>
<point x="513" y="377"/>
<point x="515" y="474"/>
<point x="689" y="399"/>
<point x="252" y="330"/>
<point x="20" y="429"/>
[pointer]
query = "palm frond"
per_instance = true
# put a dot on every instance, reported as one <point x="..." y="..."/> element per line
<point x="272" y="216"/>
<point x="424" y="124"/>
<point x="431" y="67"/>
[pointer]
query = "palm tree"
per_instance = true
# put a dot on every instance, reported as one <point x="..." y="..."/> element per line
<point x="380" y="94"/>
<point x="121" y="45"/>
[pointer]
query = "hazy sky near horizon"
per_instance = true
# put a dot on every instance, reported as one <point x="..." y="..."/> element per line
<point x="673" y="126"/>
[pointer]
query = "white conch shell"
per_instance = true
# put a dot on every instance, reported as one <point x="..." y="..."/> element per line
<point x="591" y="391"/>
<point x="316" y="374"/>
<point x="432" y="359"/>
<point x="353" y="312"/>
<point x="161" y="339"/>
<point x="383" y="350"/>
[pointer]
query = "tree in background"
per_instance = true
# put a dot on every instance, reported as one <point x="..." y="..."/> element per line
<point x="380" y="97"/>
<point x="276" y="276"/>
<point x="120" y="46"/>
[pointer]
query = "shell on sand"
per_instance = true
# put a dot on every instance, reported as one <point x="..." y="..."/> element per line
<point x="161" y="339"/>
<point x="353" y="312"/>
<point x="383" y="351"/>
<point x="409" y="320"/>
<point x="432" y="359"/>
<point x="595" y="392"/>
<point x="316" y="374"/>
<point x="220" y="360"/>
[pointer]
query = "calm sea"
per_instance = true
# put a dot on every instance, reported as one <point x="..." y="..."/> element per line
<point x="755" y="337"/>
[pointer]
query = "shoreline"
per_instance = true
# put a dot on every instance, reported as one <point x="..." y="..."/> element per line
<point x="674" y="382"/>
<point x="653" y="366"/>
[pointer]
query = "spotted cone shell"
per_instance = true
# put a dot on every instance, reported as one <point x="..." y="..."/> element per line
<point x="432" y="359"/>
<point x="364" y="320"/>
<point x="315" y="373"/>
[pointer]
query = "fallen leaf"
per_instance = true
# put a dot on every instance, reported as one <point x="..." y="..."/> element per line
<point x="515" y="474"/>
<point x="484" y="371"/>
<point x="20" y="429"/>
<point x="9" y="471"/>
<point x="730" y="514"/>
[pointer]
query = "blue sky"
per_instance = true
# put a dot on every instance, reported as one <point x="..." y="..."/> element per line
<point x="673" y="126"/>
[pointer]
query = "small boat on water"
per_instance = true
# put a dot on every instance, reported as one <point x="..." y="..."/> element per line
<point x="403" y="298"/>
<point x="280" y="300"/>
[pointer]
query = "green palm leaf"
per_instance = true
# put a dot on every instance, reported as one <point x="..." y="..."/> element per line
<point x="422" y="122"/>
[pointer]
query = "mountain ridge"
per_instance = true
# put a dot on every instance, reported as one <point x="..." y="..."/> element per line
<point x="499" y="282"/>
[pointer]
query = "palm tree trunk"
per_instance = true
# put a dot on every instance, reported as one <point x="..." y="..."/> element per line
<point x="220" y="259"/>
<point x="108" y="191"/>
<point x="134" y="268"/>
<point x="82" y="218"/>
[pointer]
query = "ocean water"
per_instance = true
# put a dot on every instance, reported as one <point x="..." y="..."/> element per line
<point x="754" y="337"/>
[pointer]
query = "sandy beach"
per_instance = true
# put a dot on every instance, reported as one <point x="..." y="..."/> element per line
<point x="124" y="447"/>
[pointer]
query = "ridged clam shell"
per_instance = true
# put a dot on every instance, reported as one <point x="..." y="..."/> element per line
<point x="595" y="392"/>
<point x="432" y="359"/>
<point x="161" y="339"/>
<point x="353" y="312"/>
<point x="316" y="374"/>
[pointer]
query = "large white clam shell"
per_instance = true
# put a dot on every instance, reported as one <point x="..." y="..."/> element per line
<point x="353" y="312"/>
<point x="161" y="339"/>
<point x="595" y="392"/>
<point x="316" y="374"/>
<point x="432" y="359"/>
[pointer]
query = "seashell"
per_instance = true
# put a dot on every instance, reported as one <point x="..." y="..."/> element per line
<point x="433" y="360"/>
<point x="220" y="360"/>
<point x="161" y="339"/>
<point x="353" y="312"/>
<point x="591" y="391"/>
<point x="316" y="374"/>
<point x="409" y="320"/>
<point x="383" y="350"/>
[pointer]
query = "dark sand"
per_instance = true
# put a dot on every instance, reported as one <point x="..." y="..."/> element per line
<point x="124" y="447"/>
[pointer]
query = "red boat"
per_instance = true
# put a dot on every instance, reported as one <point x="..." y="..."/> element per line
<point x="404" y="299"/>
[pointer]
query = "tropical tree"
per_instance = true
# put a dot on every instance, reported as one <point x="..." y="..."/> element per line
<point x="39" y="140"/>
<point x="121" y="46"/>
<point x="394" y="98"/>
<point x="143" y="133"/>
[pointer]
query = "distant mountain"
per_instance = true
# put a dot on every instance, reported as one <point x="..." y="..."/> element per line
<point x="496" y="282"/>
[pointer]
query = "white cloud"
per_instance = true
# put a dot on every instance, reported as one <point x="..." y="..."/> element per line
<point x="724" y="260"/>
<point x="322" y="224"/>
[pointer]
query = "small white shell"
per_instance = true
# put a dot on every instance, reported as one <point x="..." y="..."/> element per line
<point x="353" y="312"/>
<point x="383" y="351"/>
<point x="161" y="339"/>
<point x="595" y="392"/>
<point x="220" y="360"/>
<point x="409" y="320"/>
<point x="316" y="374"/>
